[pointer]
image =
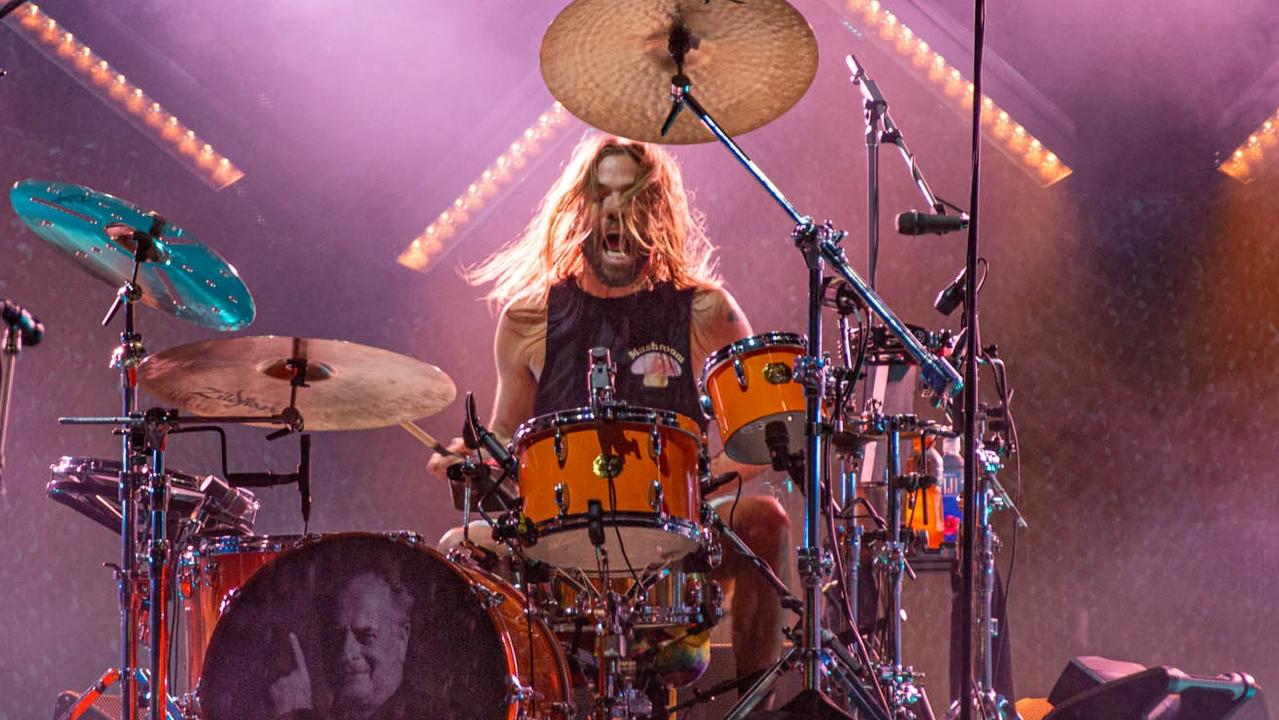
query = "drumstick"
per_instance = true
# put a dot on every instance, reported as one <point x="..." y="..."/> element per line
<point x="425" y="438"/>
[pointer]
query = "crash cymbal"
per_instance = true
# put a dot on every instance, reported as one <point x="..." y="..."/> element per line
<point x="607" y="63"/>
<point x="349" y="386"/>
<point x="180" y="276"/>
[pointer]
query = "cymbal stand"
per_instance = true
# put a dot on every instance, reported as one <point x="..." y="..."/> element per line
<point x="819" y="246"/>
<point x="143" y="433"/>
<point x="12" y="346"/>
<point x="126" y="357"/>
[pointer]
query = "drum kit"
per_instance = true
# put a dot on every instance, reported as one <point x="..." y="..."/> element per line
<point x="599" y="600"/>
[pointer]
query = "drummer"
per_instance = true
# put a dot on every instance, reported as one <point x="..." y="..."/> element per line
<point x="615" y="257"/>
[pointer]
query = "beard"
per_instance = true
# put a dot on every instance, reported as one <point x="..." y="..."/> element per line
<point x="610" y="271"/>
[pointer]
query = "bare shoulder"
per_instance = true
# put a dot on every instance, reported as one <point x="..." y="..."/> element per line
<point x="716" y="321"/>
<point x="521" y="331"/>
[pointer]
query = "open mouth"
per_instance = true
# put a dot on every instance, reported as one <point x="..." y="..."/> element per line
<point x="615" y="244"/>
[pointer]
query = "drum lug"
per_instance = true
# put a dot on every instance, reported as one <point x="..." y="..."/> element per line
<point x="562" y="498"/>
<point x="561" y="455"/>
<point x="516" y="691"/>
<point x="655" y="442"/>
<point x="656" y="496"/>
<point x="707" y="405"/>
<point x="488" y="598"/>
<point x="739" y="370"/>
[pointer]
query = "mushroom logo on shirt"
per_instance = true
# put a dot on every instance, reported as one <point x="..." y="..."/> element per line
<point x="657" y="364"/>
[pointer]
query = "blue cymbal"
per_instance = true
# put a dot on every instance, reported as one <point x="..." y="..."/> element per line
<point x="180" y="275"/>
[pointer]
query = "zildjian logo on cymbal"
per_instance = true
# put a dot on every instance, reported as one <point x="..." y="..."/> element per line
<point x="231" y="399"/>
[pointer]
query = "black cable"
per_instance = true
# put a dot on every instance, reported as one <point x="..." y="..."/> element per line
<point x="617" y="530"/>
<point x="732" y="511"/>
<point x="221" y="440"/>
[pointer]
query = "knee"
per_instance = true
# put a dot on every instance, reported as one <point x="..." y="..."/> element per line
<point x="480" y="534"/>
<point x="762" y="523"/>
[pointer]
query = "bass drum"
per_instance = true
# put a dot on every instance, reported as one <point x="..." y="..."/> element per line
<point x="380" y="627"/>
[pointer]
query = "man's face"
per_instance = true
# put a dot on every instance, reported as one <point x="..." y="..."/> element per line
<point x="612" y="255"/>
<point x="373" y="635"/>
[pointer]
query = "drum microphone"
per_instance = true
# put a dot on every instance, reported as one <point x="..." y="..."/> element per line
<point x="476" y="435"/>
<point x="710" y="485"/>
<point x="952" y="295"/>
<point x="595" y="522"/>
<point x="838" y="294"/>
<point x="918" y="223"/>
<point x="21" y="319"/>
<point x="220" y="497"/>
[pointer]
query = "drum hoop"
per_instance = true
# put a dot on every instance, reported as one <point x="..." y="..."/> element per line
<point x="751" y="344"/>
<point x="77" y="467"/>
<point x="637" y="414"/>
<point x="676" y="526"/>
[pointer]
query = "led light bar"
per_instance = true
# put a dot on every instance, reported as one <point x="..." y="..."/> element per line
<point x="1259" y="149"/>
<point x="144" y="113"/>
<point x="1009" y="136"/>
<point x="430" y="243"/>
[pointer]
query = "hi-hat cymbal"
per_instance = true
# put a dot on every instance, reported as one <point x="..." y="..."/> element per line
<point x="607" y="62"/>
<point x="349" y="386"/>
<point x="180" y="275"/>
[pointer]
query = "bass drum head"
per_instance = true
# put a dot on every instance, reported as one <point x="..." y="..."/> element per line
<point x="388" y="629"/>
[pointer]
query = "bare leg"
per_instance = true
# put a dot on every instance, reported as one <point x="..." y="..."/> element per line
<point x="757" y="623"/>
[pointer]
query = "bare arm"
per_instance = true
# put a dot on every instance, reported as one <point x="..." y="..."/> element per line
<point x="518" y="330"/>
<point x="717" y="320"/>
<point x="521" y="328"/>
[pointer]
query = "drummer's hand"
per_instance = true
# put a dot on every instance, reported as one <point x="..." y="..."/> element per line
<point x="292" y="692"/>
<point x="439" y="463"/>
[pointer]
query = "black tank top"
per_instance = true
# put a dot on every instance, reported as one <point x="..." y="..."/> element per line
<point x="646" y="332"/>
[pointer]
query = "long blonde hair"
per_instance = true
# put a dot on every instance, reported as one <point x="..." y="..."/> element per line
<point x="656" y="215"/>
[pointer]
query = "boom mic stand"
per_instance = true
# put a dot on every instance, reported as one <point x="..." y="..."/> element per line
<point x="819" y="246"/>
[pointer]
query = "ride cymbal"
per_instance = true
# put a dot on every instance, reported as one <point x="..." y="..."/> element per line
<point x="100" y="232"/>
<point x="607" y="62"/>
<point x="348" y="386"/>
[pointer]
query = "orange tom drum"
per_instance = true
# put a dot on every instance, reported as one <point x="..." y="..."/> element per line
<point x="642" y="466"/>
<point x="747" y="385"/>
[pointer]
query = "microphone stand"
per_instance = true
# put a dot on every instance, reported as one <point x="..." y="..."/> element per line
<point x="880" y="127"/>
<point x="12" y="346"/>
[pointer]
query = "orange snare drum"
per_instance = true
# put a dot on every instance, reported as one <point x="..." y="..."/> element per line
<point x="643" y="468"/>
<point x="747" y="385"/>
<point x="385" y="625"/>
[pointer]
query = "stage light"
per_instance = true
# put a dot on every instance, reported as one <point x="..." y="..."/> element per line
<point x="429" y="244"/>
<point x="130" y="101"/>
<point x="1254" y="153"/>
<point x="1013" y="140"/>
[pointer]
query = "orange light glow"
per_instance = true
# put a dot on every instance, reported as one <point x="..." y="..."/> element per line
<point x="429" y="245"/>
<point x="96" y="74"/>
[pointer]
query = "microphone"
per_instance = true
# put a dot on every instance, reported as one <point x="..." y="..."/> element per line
<point x="476" y="435"/>
<point x="595" y="522"/>
<point x="19" y="318"/>
<point x="712" y="484"/>
<point x="838" y="294"/>
<point x="918" y="223"/>
<point x="952" y="295"/>
<point x="777" y="439"/>
<point x="221" y="497"/>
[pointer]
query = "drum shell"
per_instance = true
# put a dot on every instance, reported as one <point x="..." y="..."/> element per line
<point x="236" y="580"/>
<point x="209" y="575"/>
<point x="767" y="392"/>
<point x="655" y="492"/>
